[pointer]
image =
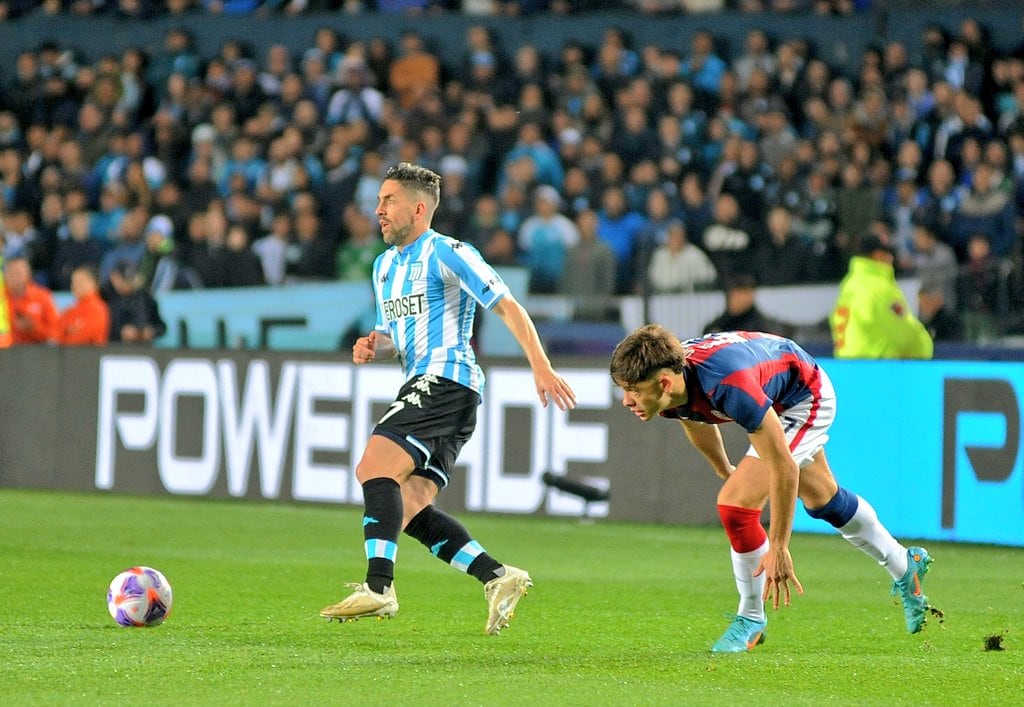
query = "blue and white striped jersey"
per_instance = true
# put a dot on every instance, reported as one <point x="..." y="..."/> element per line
<point x="425" y="303"/>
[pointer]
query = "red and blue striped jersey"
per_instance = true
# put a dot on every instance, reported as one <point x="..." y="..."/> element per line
<point x="735" y="376"/>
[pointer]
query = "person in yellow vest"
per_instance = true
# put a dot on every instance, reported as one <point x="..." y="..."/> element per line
<point x="5" y="312"/>
<point x="872" y="318"/>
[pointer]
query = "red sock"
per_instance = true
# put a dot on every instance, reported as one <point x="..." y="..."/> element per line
<point x="743" y="527"/>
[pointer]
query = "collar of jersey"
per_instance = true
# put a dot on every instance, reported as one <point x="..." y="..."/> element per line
<point x="413" y="250"/>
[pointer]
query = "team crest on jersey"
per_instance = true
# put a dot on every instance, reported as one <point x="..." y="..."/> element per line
<point x="416" y="271"/>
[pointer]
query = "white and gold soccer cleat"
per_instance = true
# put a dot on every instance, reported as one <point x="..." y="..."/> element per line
<point x="502" y="594"/>
<point x="363" y="602"/>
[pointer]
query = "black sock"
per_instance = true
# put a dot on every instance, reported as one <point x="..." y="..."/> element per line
<point x="382" y="524"/>
<point x="449" y="541"/>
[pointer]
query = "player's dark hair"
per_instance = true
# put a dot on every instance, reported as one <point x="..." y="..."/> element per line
<point x="417" y="178"/>
<point x="646" y="351"/>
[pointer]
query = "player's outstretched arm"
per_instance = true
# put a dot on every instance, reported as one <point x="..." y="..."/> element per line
<point x="373" y="346"/>
<point x="707" y="439"/>
<point x="783" y="485"/>
<point x="550" y="385"/>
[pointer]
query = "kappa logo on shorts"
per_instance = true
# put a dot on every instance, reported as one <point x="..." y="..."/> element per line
<point x="414" y="399"/>
<point x="423" y="385"/>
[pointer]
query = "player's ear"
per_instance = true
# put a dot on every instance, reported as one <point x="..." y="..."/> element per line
<point x="665" y="381"/>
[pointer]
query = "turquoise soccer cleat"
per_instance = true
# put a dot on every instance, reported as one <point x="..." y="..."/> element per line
<point x="910" y="591"/>
<point x="741" y="636"/>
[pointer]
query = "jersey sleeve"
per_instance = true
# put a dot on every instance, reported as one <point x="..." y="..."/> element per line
<point x="378" y="318"/>
<point x="741" y="397"/>
<point x="477" y="277"/>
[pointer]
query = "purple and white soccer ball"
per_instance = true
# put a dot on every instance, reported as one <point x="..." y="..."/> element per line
<point x="139" y="596"/>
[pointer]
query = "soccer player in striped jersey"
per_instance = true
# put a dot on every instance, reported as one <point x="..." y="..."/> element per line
<point x="785" y="401"/>
<point x="427" y="287"/>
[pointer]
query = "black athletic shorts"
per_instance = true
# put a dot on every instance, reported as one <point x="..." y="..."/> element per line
<point x="431" y="419"/>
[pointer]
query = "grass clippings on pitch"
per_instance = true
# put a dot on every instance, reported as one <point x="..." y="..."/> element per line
<point x="621" y="614"/>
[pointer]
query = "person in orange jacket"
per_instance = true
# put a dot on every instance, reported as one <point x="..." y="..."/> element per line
<point x="31" y="309"/>
<point x="87" y="321"/>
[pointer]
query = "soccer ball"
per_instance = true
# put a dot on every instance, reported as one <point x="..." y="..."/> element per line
<point x="139" y="596"/>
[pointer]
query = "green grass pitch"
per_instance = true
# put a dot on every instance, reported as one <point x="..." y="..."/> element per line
<point x="621" y="614"/>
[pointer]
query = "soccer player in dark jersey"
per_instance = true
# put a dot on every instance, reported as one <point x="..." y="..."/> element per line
<point x="785" y="401"/>
<point x="427" y="286"/>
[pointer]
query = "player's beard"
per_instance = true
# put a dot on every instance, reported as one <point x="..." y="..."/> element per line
<point x="398" y="236"/>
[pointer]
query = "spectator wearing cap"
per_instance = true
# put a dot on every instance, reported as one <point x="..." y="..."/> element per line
<point x="356" y="99"/>
<point x="871" y="317"/>
<point x="545" y="237"/>
<point x="134" y="313"/>
<point x="159" y="243"/>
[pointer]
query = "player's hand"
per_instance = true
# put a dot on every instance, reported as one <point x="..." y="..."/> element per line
<point x="552" y="387"/>
<point x="365" y="348"/>
<point x="777" y="566"/>
<point x="725" y="474"/>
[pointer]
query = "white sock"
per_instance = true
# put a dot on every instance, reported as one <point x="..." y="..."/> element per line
<point x="750" y="588"/>
<point x="866" y="533"/>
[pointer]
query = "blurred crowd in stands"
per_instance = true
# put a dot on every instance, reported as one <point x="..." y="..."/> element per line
<point x="145" y="9"/>
<point x="622" y="167"/>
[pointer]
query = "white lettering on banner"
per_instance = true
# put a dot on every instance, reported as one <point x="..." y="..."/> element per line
<point x="373" y="385"/>
<point x="251" y="422"/>
<point x="286" y="429"/>
<point x="136" y="430"/>
<point x="580" y="441"/>
<point x="184" y="475"/>
<point x="319" y="431"/>
<point x="522" y="493"/>
<point x="555" y="442"/>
